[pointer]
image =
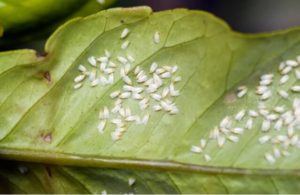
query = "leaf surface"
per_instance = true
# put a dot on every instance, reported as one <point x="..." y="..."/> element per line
<point x="44" y="119"/>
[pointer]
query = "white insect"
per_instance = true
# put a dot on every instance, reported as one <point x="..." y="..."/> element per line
<point x="107" y="53"/>
<point x="165" y="92"/>
<point x="131" y="181"/>
<point x="266" y="124"/>
<point x="156" y="37"/>
<point x="156" y="96"/>
<point x="112" y="64"/>
<point x="157" y="107"/>
<point x="279" y="109"/>
<point x="137" y="70"/>
<point x="153" y="67"/>
<point x="103" y="59"/>
<point x="92" y="60"/>
<point x="127" y="80"/>
<point x="130" y="118"/>
<point x="116" y="135"/>
<point x="82" y="68"/>
<point x="237" y="130"/>
<point x="127" y="67"/>
<point x="281" y="66"/>
<point x="108" y="71"/>
<point x="284" y="79"/>
<point x="264" y="139"/>
<point x="266" y="95"/>
<point x="174" y="69"/>
<point x="174" y="109"/>
<point x="276" y="152"/>
<point x="278" y="124"/>
<point x="221" y="141"/>
<point x="266" y="82"/>
<point x="101" y="126"/>
<point x="95" y="82"/>
<point x="124" y="33"/>
<point x="233" y="138"/>
<point x="240" y="115"/>
<point x="110" y="79"/>
<point x="249" y="124"/>
<point x="242" y="91"/>
<point x="286" y="70"/>
<point x="115" y="94"/>
<point x="267" y="76"/>
<point x="130" y="58"/>
<point x="144" y="103"/>
<point x="207" y="157"/>
<point x="122" y="60"/>
<point x="105" y="113"/>
<point x="272" y="117"/>
<point x="196" y="149"/>
<point x="77" y="86"/>
<point x="203" y="143"/>
<point x="145" y="119"/>
<point x="137" y="96"/>
<point x="297" y="73"/>
<point x="128" y="88"/>
<point x="125" y="44"/>
<point x="225" y="123"/>
<point x="269" y="157"/>
<point x="261" y="89"/>
<point x="178" y="78"/>
<point x="252" y="113"/>
<point x="125" y="95"/>
<point x="292" y="63"/>
<point x="79" y="78"/>
<point x="166" y="75"/>
<point x="283" y="94"/>
<point x="264" y="112"/>
<point x="295" y="88"/>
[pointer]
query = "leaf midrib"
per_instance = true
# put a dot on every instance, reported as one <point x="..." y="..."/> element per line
<point x="59" y="158"/>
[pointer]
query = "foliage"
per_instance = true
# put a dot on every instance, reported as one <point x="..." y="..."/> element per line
<point x="45" y="120"/>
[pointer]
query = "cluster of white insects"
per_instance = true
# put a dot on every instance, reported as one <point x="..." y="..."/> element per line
<point x="152" y="89"/>
<point x="277" y="124"/>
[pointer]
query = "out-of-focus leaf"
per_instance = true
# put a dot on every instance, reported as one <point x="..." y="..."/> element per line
<point x="32" y="19"/>
<point x="44" y="119"/>
<point x="1" y="31"/>
<point x="37" y="178"/>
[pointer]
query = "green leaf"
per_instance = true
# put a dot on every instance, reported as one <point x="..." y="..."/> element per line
<point x="44" y="119"/>
<point x="20" y="19"/>
<point x="39" y="178"/>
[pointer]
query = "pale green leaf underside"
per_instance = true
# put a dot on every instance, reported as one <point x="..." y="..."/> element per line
<point x="212" y="61"/>
<point x="35" y="178"/>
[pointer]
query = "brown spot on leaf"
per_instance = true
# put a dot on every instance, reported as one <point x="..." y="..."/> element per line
<point x="41" y="54"/>
<point x="47" y="137"/>
<point x="48" y="170"/>
<point x="230" y="98"/>
<point x="47" y="76"/>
